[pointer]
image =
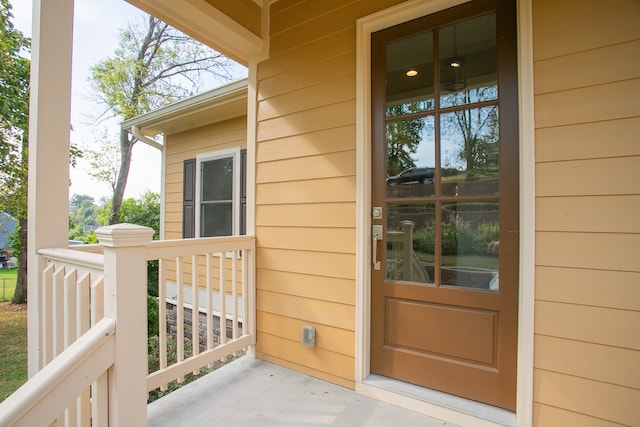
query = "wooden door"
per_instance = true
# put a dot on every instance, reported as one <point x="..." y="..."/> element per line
<point x="445" y="202"/>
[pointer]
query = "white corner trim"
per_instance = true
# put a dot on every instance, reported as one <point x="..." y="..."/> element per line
<point x="526" y="303"/>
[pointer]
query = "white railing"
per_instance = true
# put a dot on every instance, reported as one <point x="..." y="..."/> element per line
<point x="208" y="278"/>
<point x="94" y="373"/>
<point x="55" y="386"/>
<point x="402" y="261"/>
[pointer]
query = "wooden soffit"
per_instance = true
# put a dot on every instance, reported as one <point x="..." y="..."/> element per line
<point x="233" y="28"/>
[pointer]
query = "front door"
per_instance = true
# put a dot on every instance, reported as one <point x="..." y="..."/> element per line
<point x="445" y="202"/>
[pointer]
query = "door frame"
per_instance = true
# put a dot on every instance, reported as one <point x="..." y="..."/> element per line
<point x="524" y="401"/>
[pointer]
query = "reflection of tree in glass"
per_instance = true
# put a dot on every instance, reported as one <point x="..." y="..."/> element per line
<point x="478" y="128"/>
<point x="403" y="138"/>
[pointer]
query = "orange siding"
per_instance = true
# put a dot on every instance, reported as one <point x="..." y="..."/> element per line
<point x="186" y="145"/>
<point x="183" y="146"/>
<point x="305" y="186"/>
<point x="587" y="115"/>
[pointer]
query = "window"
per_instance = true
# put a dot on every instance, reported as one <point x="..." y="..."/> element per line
<point x="215" y="194"/>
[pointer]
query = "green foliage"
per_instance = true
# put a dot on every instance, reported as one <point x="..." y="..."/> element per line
<point x="154" y="364"/>
<point x="477" y="129"/>
<point x="152" y="316"/>
<point x="78" y="233"/>
<point x="457" y="238"/>
<point x="84" y="218"/>
<point x="153" y="345"/>
<point x="104" y="159"/>
<point x="14" y="122"/>
<point x="154" y="65"/>
<point x="15" y="243"/>
<point x="8" y="279"/>
<point x="13" y="351"/>
<point x="143" y="211"/>
<point x="403" y="138"/>
<point x="14" y="114"/>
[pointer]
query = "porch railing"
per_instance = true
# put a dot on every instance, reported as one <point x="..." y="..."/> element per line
<point x="92" y="340"/>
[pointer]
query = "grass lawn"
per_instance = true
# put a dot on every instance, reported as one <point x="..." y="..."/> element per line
<point x="7" y="283"/>
<point x="473" y="261"/>
<point x="13" y="351"/>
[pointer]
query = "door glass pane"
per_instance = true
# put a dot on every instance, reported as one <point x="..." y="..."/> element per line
<point x="216" y="219"/>
<point x="410" y="242"/>
<point x="470" y="245"/>
<point x="411" y="157"/>
<point x="469" y="151"/>
<point x="468" y="62"/>
<point x="217" y="179"/>
<point x="409" y="75"/>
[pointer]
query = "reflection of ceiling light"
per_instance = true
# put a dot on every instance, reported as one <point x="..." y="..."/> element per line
<point x="411" y="73"/>
<point x="454" y="74"/>
<point x="456" y="62"/>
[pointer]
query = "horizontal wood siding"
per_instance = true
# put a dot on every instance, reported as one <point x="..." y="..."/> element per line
<point x="306" y="186"/>
<point x="187" y="145"/>
<point x="587" y="116"/>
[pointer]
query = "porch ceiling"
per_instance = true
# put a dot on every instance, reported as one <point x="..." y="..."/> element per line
<point x="232" y="28"/>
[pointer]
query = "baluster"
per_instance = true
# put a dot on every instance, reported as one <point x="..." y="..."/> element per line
<point x="162" y="318"/>
<point x="195" y="310"/>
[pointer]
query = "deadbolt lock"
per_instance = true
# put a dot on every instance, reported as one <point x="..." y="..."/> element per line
<point x="376" y="212"/>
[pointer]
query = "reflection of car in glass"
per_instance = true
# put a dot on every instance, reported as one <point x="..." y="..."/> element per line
<point x="413" y="176"/>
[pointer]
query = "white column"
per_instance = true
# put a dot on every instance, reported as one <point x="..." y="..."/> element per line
<point x="125" y="289"/>
<point x="49" y="124"/>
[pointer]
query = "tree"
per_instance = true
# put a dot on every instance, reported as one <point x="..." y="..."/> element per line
<point x="145" y="211"/>
<point x="104" y="162"/>
<point x="14" y="122"/>
<point x="478" y="127"/>
<point x="403" y="138"/>
<point x="84" y="218"/>
<point x="153" y="65"/>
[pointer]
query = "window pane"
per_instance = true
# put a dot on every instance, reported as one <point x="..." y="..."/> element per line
<point x="470" y="245"/>
<point x="410" y="242"/>
<point x="411" y="157"/>
<point x="217" y="179"/>
<point x="468" y="62"/>
<point x="216" y="219"/>
<point x="409" y="75"/>
<point x="469" y="151"/>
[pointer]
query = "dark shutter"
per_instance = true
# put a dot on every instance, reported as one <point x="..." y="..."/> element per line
<point x="243" y="192"/>
<point x="189" y="199"/>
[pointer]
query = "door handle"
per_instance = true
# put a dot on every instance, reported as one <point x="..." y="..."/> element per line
<point x="376" y="234"/>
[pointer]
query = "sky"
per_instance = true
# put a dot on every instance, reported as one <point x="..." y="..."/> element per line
<point x="96" y="27"/>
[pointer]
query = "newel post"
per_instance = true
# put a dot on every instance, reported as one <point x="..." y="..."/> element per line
<point x="407" y="247"/>
<point x="125" y="287"/>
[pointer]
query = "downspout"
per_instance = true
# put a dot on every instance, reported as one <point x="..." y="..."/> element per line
<point x="135" y="131"/>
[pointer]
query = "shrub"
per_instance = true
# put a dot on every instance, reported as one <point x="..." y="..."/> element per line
<point x="457" y="238"/>
<point x="152" y="316"/>
<point x="153" y="345"/>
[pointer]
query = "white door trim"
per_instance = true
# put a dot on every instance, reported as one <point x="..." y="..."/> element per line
<point x="364" y="28"/>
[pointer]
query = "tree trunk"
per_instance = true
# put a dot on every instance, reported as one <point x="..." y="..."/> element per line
<point x="126" y="145"/>
<point x="20" y="295"/>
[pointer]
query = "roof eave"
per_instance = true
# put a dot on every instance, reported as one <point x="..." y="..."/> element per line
<point x="222" y="103"/>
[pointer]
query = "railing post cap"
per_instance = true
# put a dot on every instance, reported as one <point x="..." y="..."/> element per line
<point x="123" y="235"/>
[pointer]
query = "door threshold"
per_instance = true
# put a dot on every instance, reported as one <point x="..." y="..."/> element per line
<point x="434" y="403"/>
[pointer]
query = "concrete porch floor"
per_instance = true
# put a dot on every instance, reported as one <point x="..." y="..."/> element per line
<point x="250" y="392"/>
